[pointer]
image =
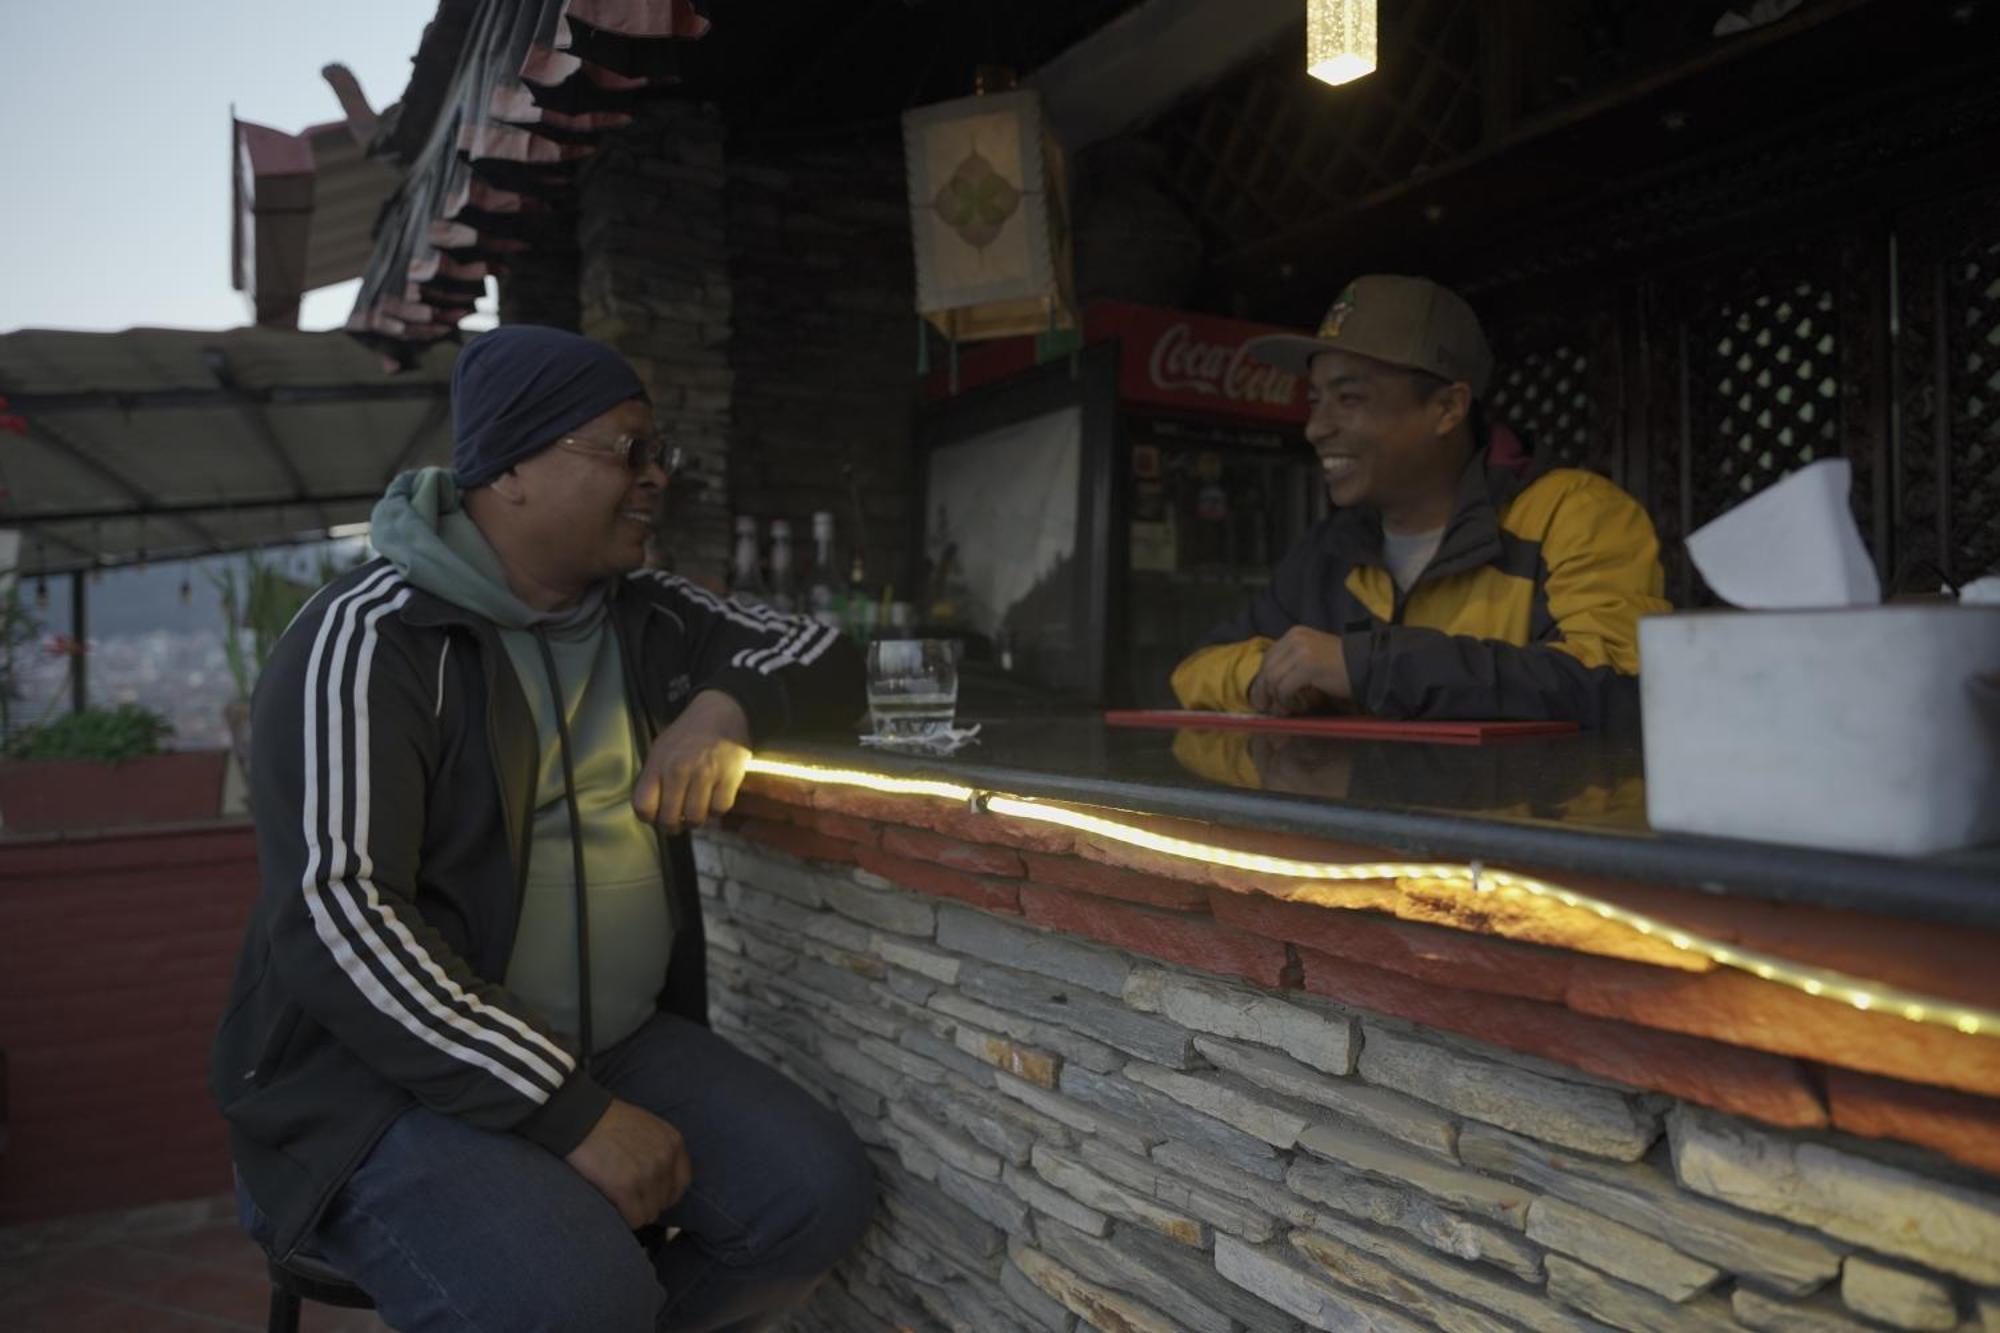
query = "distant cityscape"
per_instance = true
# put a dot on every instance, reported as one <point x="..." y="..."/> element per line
<point x="181" y="674"/>
<point x="155" y="638"/>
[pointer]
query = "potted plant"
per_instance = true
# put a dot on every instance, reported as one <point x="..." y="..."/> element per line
<point x="104" y="768"/>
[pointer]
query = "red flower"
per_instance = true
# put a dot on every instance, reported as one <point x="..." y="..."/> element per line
<point x="66" y="645"/>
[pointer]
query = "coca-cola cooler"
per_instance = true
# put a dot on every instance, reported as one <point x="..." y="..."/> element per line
<point x="1089" y="514"/>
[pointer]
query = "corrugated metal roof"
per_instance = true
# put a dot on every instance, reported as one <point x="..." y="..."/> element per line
<point x="167" y="442"/>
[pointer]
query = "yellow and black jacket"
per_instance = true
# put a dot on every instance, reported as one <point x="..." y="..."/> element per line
<point x="1530" y="608"/>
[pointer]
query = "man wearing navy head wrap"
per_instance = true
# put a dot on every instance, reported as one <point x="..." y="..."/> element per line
<point x="466" y="1058"/>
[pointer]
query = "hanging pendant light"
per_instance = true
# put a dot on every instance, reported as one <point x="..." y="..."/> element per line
<point x="1340" y="39"/>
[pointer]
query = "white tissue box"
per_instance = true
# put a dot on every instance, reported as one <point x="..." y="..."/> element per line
<point x="1866" y="729"/>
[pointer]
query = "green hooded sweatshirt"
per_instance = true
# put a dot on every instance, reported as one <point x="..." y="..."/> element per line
<point x="422" y="528"/>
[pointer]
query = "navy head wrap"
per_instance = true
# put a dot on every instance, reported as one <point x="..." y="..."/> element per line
<point x="519" y="387"/>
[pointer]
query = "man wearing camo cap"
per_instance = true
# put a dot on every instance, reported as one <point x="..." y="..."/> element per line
<point x="1458" y="576"/>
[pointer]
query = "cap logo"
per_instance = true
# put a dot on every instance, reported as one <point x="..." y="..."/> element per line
<point x="1337" y="314"/>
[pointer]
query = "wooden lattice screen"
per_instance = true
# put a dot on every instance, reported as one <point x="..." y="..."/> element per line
<point x="1948" y="392"/>
<point x="1973" y="319"/>
<point x="1759" y="365"/>
<point x="1766" y="390"/>
<point x="1545" y="396"/>
<point x="1558" y="382"/>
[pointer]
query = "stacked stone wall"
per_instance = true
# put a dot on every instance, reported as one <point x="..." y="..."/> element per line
<point x="1071" y="1135"/>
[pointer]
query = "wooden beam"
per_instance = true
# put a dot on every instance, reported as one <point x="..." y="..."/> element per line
<point x="1237" y="115"/>
<point x="835" y="37"/>
<point x="1504" y="27"/>
<point x="1713" y="67"/>
<point x="1141" y="63"/>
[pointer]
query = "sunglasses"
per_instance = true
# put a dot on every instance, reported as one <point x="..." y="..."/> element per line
<point x="636" y="452"/>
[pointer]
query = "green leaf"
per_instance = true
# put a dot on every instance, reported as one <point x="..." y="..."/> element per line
<point x="128" y="731"/>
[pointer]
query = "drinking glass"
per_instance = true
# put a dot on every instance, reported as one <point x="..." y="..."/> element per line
<point x="912" y="685"/>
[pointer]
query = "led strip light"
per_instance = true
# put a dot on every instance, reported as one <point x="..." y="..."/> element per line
<point x="1815" y="981"/>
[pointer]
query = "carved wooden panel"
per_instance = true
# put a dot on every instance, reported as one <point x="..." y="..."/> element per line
<point x="1947" y="465"/>
<point x="1761" y="364"/>
<point x="1765" y="387"/>
<point x="1555" y="382"/>
<point x="1544" y="396"/>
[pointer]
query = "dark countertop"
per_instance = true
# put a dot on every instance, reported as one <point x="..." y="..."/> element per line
<point x="1572" y="803"/>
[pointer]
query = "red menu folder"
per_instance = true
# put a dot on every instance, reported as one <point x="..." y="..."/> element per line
<point x="1350" y="728"/>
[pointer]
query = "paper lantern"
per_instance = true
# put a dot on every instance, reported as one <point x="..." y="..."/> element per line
<point x="1340" y="39"/>
<point x="987" y="219"/>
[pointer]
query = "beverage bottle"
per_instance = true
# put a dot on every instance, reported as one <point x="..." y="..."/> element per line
<point x="784" y="584"/>
<point x="823" y="598"/>
<point x="941" y="610"/>
<point x="746" y="574"/>
<point x="860" y="605"/>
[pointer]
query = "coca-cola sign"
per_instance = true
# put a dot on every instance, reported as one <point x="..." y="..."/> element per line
<point x="1181" y="360"/>
<point x="1196" y="363"/>
<point x="1173" y="359"/>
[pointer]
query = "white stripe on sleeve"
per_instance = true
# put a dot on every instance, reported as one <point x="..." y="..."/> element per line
<point x="344" y="613"/>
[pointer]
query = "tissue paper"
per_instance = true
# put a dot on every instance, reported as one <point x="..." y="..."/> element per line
<point x="1791" y="545"/>
<point x="1818" y="718"/>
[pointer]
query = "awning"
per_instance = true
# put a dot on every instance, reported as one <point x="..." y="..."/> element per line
<point x="536" y="83"/>
<point x="160" y="443"/>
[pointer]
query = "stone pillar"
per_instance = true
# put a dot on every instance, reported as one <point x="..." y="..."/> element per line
<point x="824" y="340"/>
<point x="540" y="286"/>
<point x="653" y="282"/>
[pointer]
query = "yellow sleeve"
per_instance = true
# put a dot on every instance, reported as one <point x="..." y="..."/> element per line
<point x="1217" y="679"/>
<point x="1220" y="756"/>
<point x="1604" y="576"/>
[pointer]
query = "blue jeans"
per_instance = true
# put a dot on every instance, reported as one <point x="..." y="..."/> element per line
<point x="455" y="1228"/>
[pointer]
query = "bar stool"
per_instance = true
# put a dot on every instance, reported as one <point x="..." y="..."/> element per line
<point x="307" y="1277"/>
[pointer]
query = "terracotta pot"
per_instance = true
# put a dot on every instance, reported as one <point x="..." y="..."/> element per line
<point x="46" y="795"/>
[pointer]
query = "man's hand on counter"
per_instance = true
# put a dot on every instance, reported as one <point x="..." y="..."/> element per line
<point x="1303" y="672"/>
<point x="695" y="765"/>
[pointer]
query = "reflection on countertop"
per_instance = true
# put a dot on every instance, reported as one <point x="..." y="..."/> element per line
<point x="1589" y="780"/>
<point x="1570" y="802"/>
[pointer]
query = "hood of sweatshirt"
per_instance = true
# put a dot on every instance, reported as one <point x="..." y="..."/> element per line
<point x="420" y="525"/>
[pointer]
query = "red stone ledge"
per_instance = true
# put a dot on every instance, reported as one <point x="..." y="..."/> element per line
<point x="128" y="846"/>
<point x="116" y="949"/>
<point x="1530" y="976"/>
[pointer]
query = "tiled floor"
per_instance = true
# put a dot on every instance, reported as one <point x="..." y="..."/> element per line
<point x="199" y="1281"/>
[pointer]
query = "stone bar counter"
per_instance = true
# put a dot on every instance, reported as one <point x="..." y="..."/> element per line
<point x="1153" y="1030"/>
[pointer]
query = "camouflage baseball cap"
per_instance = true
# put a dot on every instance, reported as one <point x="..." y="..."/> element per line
<point x="1404" y="321"/>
